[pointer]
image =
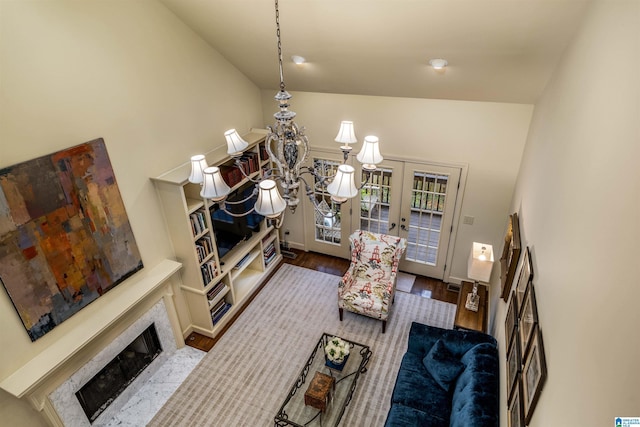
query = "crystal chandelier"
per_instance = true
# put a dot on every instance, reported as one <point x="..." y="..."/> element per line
<point x="288" y="149"/>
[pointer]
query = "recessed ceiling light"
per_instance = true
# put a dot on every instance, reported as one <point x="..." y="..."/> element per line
<point x="298" y="59"/>
<point x="438" y="63"/>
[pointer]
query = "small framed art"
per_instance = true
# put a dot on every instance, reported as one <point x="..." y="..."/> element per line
<point x="513" y="369"/>
<point x="510" y="255"/>
<point x="526" y="275"/>
<point x="515" y="409"/>
<point x="511" y="321"/>
<point x="527" y="319"/>
<point x="534" y="374"/>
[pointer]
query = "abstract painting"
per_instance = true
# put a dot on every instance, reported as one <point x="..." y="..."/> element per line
<point x="65" y="238"/>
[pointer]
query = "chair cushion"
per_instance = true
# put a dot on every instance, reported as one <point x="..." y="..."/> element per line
<point x="370" y="298"/>
<point x="443" y="366"/>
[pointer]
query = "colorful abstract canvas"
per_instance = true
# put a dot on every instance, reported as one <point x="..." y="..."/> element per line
<point x="65" y="238"/>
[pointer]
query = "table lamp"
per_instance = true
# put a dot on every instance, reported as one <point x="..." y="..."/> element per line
<point x="479" y="270"/>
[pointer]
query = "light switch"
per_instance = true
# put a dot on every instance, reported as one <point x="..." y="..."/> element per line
<point x="467" y="220"/>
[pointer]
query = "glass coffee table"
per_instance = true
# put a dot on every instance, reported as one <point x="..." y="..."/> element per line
<point x="294" y="411"/>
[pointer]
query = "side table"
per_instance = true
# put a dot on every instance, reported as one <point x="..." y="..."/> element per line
<point x="467" y="319"/>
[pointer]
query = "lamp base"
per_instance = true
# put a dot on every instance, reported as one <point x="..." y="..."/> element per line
<point x="473" y="301"/>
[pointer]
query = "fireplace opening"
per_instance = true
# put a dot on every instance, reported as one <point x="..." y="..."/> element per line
<point x="113" y="379"/>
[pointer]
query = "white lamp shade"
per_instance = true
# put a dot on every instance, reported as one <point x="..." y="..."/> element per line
<point x="214" y="186"/>
<point x="270" y="203"/>
<point x="198" y="165"/>
<point x="346" y="134"/>
<point x="343" y="186"/>
<point x="370" y="155"/>
<point x="235" y="143"/>
<point x="480" y="262"/>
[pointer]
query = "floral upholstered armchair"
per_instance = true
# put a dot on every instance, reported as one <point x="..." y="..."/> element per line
<point x="368" y="287"/>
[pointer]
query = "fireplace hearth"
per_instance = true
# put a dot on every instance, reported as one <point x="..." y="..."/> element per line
<point x="98" y="393"/>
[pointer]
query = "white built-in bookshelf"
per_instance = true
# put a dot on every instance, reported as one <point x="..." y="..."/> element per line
<point x="215" y="285"/>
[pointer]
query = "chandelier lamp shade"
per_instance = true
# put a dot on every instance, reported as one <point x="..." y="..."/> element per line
<point x="343" y="186"/>
<point x="369" y="155"/>
<point x="270" y="203"/>
<point x="198" y="165"/>
<point x="235" y="144"/>
<point x="288" y="149"/>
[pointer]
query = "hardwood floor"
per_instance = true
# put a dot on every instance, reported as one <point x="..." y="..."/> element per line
<point x="423" y="286"/>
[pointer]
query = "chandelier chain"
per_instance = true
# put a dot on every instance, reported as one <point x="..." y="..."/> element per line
<point x="279" y="46"/>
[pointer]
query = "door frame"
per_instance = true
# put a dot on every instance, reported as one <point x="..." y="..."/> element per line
<point x="309" y="224"/>
<point x="455" y="222"/>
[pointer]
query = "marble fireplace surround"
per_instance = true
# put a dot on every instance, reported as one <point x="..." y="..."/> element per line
<point x="56" y="373"/>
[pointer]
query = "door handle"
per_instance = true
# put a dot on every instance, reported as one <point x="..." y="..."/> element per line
<point x="403" y="227"/>
<point x="393" y="225"/>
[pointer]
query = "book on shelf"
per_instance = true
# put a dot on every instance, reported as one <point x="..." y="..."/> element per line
<point x="219" y="310"/>
<point x="204" y="246"/>
<point x="264" y="155"/>
<point x="209" y="271"/>
<point x="242" y="261"/>
<point x="198" y="224"/>
<point x="213" y="292"/>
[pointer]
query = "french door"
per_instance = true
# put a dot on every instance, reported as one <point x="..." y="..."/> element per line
<point x="330" y="222"/>
<point x="411" y="200"/>
<point x="429" y="196"/>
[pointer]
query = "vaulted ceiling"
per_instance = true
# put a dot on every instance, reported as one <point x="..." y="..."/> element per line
<point x="498" y="50"/>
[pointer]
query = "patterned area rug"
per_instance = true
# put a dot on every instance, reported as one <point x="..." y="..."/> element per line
<point x="246" y="376"/>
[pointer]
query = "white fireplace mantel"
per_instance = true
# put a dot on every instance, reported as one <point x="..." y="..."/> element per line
<point x="105" y="314"/>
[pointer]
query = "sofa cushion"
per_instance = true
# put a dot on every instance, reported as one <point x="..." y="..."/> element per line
<point x="403" y="416"/>
<point x="416" y="388"/>
<point x="476" y="392"/>
<point x="443" y="366"/>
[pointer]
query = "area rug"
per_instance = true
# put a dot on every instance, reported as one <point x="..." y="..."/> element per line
<point x="246" y="376"/>
<point x="404" y="282"/>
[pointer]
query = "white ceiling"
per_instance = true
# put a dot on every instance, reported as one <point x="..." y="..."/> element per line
<point x="498" y="50"/>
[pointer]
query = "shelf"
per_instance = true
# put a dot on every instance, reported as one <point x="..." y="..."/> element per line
<point x="218" y="297"/>
<point x="193" y="205"/>
<point x="245" y="283"/>
<point x="246" y="262"/>
<point x="207" y="258"/>
<point x="271" y="238"/>
<point x="201" y="235"/>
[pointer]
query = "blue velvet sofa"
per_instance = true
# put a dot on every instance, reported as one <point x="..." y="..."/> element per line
<point x="447" y="378"/>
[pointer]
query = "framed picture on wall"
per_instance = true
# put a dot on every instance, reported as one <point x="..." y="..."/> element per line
<point x="510" y="255"/>
<point x="514" y="363"/>
<point x="534" y="373"/>
<point x="515" y="409"/>
<point x="527" y="320"/>
<point x="526" y="275"/>
<point x="511" y="321"/>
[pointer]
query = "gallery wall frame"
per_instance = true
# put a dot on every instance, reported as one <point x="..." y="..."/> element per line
<point x="526" y="276"/>
<point x="534" y="375"/>
<point x="515" y="409"/>
<point x="65" y="236"/>
<point x="511" y="322"/>
<point x="510" y="255"/>
<point x="514" y="364"/>
<point x="528" y="319"/>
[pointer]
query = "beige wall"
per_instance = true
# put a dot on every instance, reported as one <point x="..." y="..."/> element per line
<point x="579" y="203"/>
<point x="488" y="137"/>
<point x="129" y="72"/>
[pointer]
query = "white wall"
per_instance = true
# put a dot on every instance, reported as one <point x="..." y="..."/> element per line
<point x="129" y="72"/>
<point x="579" y="202"/>
<point x="488" y="137"/>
